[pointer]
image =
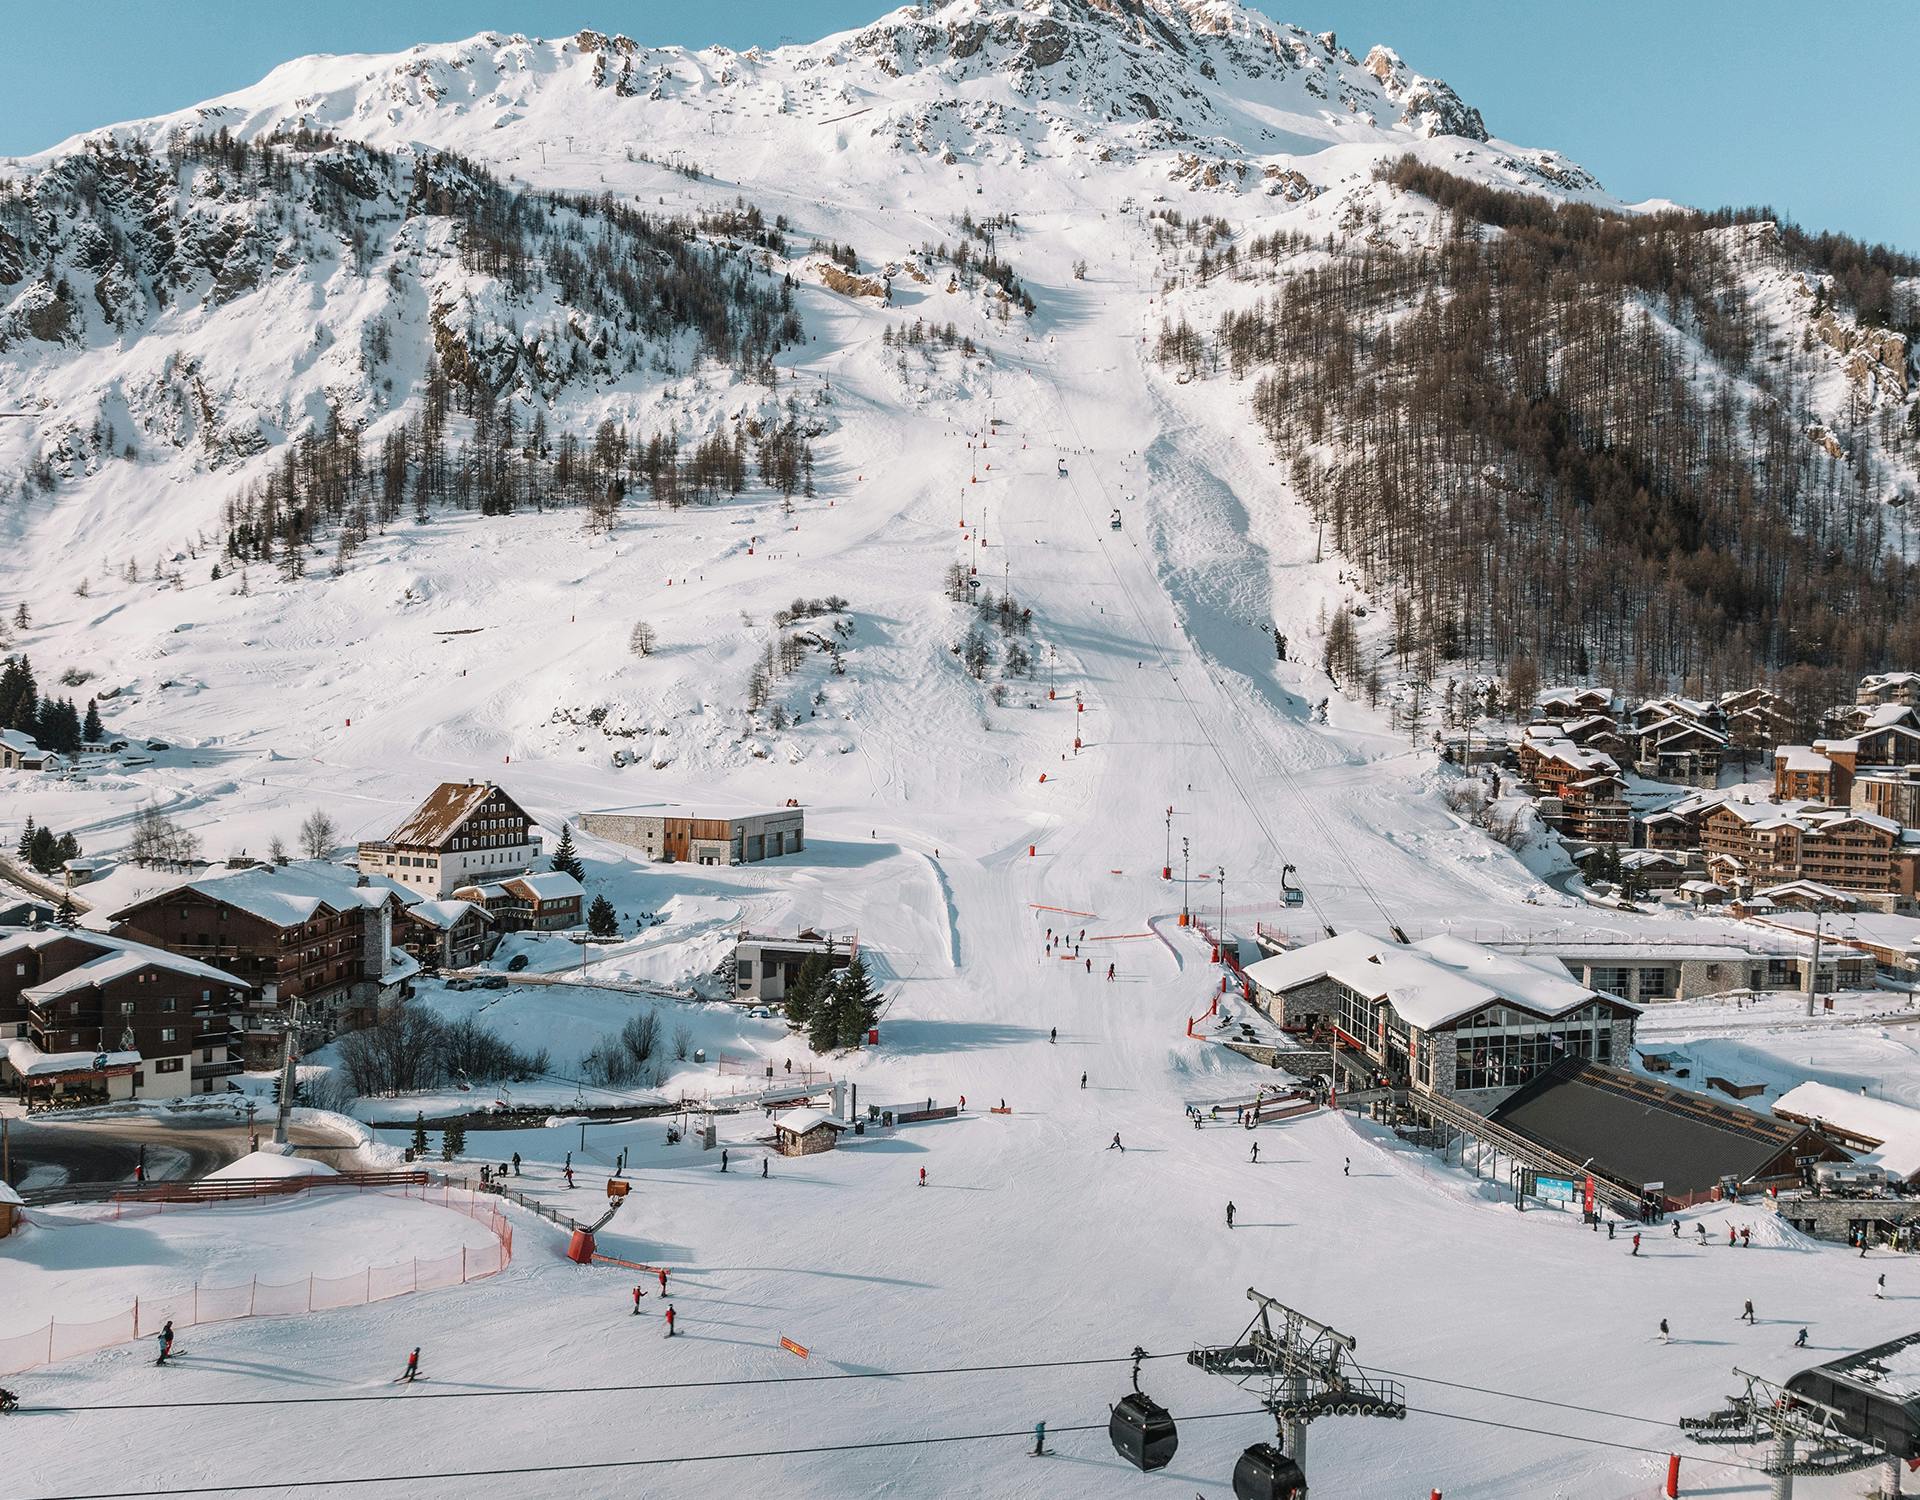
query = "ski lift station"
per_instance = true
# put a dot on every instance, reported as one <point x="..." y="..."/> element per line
<point x="1877" y="1392"/>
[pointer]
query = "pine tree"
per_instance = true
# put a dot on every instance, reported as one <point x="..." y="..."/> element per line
<point x="855" y="1004"/>
<point x="24" y="849"/>
<point x="419" y="1133"/>
<point x="823" y="1020"/>
<point x="804" y="993"/>
<point x="65" y="915"/>
<point x="92" y="731"/>
<point x="564" y="859"/>
<point x="453" y="1141"/>
<point x="601" y="921"/>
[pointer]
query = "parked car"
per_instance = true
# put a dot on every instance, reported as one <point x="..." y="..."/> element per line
<point x="158" y="745"/>
<point x="516" y="963"/>
<point x="459" y="984"/>
<point x="494" y="982"/>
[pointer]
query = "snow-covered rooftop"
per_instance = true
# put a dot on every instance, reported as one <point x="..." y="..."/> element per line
<point x="800" y="1121"/>
<point x="548" y="885"/>
<point x="30" y="1062"/>
<point x="447" y="914"/>
<point x="1432" y="982"/>
<point x="1895" y="1126"/>
<point x="117" y="958"/>
<point x="288" y="895"/>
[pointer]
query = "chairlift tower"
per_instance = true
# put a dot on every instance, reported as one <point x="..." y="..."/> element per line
<point x="1303" y="1370"/>
<point x="1805" y="1435"/>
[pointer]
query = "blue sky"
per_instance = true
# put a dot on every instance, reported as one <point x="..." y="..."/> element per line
<point x="1706" y="101"/>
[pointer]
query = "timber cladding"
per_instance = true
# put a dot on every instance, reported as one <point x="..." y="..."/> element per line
<point x="746" y="839"/>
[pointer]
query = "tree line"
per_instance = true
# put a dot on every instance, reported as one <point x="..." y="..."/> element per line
<point x="1541" y="440"/>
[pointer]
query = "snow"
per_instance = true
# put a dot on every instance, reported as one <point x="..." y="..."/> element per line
<point x="1895" y="1126"/>
<point x="1436" y="980"/>
<point x="354" y="695"/>
<point x="800" y="1121"/>
<point x="122" y="956"/>
<point x="54" y="1270"/>
<point x="29" y="1061"/>
<point x="272" y="1164"/>
<point x="550" y="885"/>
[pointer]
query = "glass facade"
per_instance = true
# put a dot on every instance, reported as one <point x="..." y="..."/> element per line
<point x="1500" y="1047"/>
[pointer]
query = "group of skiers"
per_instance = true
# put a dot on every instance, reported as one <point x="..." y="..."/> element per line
<point x="1069" y="947"/>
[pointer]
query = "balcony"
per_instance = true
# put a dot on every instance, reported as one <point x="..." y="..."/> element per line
<point x="224" y="1069"/>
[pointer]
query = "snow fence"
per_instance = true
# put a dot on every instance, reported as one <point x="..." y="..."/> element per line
<point x="200" y="1305"/>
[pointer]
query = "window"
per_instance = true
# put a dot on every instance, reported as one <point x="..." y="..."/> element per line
<point x="1609" y="981"/>
<point x="168" y="1065"/>
<point x="1656" y="984"/>
<point x="167" y="1002"/>
<point x="168" y="1033"/>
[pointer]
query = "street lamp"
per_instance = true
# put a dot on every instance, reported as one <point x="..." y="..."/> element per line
<point x="1186" y="917"/>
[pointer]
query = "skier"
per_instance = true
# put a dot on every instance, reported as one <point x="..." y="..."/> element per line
<point x="516" y="1164"/>
<point x="1701" y="1230"/>
<point x="1733" y="1236"/>
<point x="638" y="1293"/>
<point x="1229" y="1213"/>
<point x="1880" y="1288"/>
<point x="723" y="1158"/>
<point x="1109" y="973"/>
<point x="1039" y="1439"/>
<point x="669" y="1320"/>
<point x="1083" y="1080"/>
<point x="663" y="1281"/>
<point x="569" y="1176"/>
<point x="923" y="1177"/>
<point x="1346" y="1169"/>
<point x="1256" y="1153"/>
<point x="1800" y="1339"/>
<point x="1746" y="1312"/>
<point x="166" y="1342"/>
<point x="412" y="1372"/>
<point x="1636" y="1244"/>
<point x="1746" y="1238"/>
<point x="1114" y="1144"/>
<point x="1089" y="964"/>
<point x="1053" y="1033"/>
<point x="763" y="1167"/>
<point x="1676" y="1229"/>
<point x="1666" y="1336"/>
<point x="1609" y="1229"/>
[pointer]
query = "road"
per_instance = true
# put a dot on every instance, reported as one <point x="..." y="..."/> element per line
<point x="55" y="1153"/>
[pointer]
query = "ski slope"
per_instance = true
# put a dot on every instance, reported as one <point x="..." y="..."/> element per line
<point x="1033" y="1241"/>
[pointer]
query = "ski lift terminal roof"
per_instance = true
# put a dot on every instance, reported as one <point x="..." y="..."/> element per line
<point x="1431" y="982"/>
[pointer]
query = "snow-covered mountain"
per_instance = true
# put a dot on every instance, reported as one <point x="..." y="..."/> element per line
<point x="509" y="246"/>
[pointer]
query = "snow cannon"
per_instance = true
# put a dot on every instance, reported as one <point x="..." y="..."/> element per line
<point x="1265" y="1473"/>
<point x="580" y="1247"/>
